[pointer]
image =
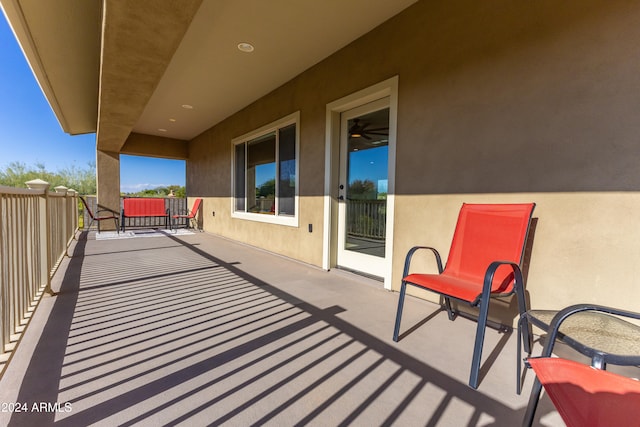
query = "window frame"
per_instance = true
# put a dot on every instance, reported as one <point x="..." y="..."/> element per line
<point x="276" y="218"/>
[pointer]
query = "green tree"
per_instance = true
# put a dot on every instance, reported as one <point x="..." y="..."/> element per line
<point x="362" y="190"/>
<point x="178" y="191"/>
<point x="268" y="188"/>
<point x="83" y="180"/>
<point x="16" y="174"/>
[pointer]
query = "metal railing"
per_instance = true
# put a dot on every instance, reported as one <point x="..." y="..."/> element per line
<point x="367" y="218"/>
<point x="36" y="228"/>
<point x="176" y="205"/>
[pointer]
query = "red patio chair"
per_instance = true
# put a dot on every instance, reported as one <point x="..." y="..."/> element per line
<point x="98" y="218"/>
<point x="484" y="262"/>
<point x="190" y="215"/>
<point x="588" y="395"/>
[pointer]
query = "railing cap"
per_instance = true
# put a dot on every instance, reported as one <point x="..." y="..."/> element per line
<point x="38" y="184"/>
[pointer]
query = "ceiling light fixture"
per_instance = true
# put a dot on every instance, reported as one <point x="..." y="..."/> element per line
<point x="172" y="120"/>
<point x="187" y="106"/>
<point x="162" y="130"/>
<point x="245" y="47"/>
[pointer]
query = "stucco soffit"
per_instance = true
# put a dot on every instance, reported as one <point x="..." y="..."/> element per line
<point x="155" y="146"/>
<point x="61" y="41"/>
<point x="139" y="39"/>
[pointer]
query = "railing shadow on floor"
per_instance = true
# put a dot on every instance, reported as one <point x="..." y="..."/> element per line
<point x="203" y="341"/>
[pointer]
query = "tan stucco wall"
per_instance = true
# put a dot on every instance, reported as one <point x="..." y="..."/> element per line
<point x="498" y="101"/>
<point x="292" y="242"/>
<point x="583" y="250"/>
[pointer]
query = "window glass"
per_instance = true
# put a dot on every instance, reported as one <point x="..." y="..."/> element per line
<point x="287" y="171"/>
<point x="261" y="174"/>
<point x="239" y="178"/>
<point x="265" y="178"/>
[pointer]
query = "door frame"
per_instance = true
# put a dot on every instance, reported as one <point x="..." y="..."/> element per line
<point x="387" y="88"/>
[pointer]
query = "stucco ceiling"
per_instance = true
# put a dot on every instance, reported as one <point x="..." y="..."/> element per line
<point x="151" y="57"/>
<point x="211" y="74"/>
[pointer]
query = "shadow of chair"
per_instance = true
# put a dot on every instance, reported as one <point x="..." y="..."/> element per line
<point x="484" y="262"/>
<point x="588" y="395"/>
<point x="98" y="218"/>
<point x="190" y="215"/>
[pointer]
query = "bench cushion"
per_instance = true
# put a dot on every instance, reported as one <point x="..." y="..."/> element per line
<point x="144" y="207"/>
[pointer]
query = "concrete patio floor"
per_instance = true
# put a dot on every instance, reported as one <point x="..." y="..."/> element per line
<point x="197" y="330"/>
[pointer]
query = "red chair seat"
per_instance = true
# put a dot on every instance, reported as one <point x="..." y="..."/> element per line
<point x="466" y="290"/>
<point x="459" y="287"/>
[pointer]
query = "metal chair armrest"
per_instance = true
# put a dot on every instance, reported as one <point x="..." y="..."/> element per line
<point x="113" y="214"/>
<point x="491" y="271"/>
<point x="412" y="251"/>
<point x="567" y="312"/>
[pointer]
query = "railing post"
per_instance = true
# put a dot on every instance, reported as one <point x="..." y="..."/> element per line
<point x="39" y="184"/>
<point x="73" y="212"/>
<point x="61" y="189"/>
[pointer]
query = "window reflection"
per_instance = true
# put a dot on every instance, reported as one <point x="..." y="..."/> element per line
<point x="265" y="173"/>
<point x="261" y="174"/>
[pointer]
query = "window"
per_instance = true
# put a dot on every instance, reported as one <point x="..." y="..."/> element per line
<point x="265" y="173"/>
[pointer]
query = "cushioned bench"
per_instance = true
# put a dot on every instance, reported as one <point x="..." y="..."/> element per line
<point x="144" y="208"/>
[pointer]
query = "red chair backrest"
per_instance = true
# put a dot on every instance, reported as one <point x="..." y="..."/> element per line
<point x="86" y="206"/>
<point x="486" y="233"/>
<point x="196" y="206"/>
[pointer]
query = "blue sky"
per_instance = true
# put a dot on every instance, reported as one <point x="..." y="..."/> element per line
<point x="370" y="164"/>
<point x="30" y="132"/>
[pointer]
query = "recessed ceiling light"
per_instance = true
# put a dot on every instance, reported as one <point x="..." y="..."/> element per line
<point x="172" y="120"/>
<point x="187" y="106"/>
<point x="245" y="47"/>
<point x="162" y="130"/>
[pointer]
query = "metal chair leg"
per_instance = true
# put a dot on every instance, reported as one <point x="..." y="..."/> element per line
<point x="396" y="330"/>
<point x="522" y="309"/>
<point x="524" y="330"/>
<point x="533" y="403"/>
<point x="524" y="340"/>
<point x="477" y="348"/>
<point x="447" y="305"/>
